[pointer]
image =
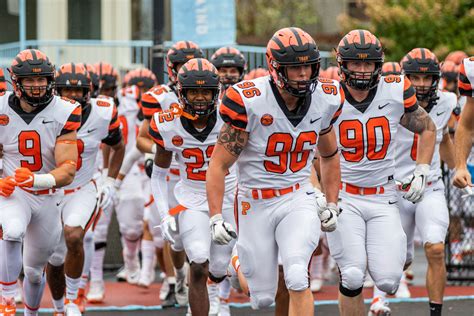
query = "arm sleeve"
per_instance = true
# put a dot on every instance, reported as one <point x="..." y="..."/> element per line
<point x="233" y="111"/>
<point x="409" y="96"/>
<point x="73" y="122"/>
<point x="130" y="159"/>
<point x="159" y="189"/>
<point x="115" y="134"/>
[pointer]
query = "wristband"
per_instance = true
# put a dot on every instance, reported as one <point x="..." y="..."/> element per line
<point x="44" y="181"/>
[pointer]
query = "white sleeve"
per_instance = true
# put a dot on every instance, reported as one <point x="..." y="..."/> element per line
<point x="130" y="159"/>
<point x="159" y="189"/>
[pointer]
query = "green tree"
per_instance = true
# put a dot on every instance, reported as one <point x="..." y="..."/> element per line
<point x="440" y="25"/>
<point x="259" y="19"/>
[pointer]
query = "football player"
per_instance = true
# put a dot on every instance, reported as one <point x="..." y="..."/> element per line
<point x="391" y="68"/>
<point x="463" y="137"/>
<point x="369" y="233"/>
<point x="192" y="136"/>
<point x="158" y="99"/>
<point x="38" y="134"/>
<point x="430" y="216"/>
<point x="99" y="125"/>
<point x="273" y="125"/>
<point x="231" y="65"/>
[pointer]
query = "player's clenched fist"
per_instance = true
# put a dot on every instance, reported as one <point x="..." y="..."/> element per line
<point x="327" y="212"/>
<point x="7" y="186"/>
<point x="24" y="177"/>
<point x="221" y="232"/>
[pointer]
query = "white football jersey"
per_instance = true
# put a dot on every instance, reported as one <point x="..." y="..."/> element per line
<point x="406" y="141"/>
<point x="466" y="77"/>
<point x="367" y="138"/>
<point x="193" y="149"/>
<point x="128" y="109"/>
<point x="281" y="144"/>
<point x="158" y="99"/>
<point x="101" y="119"/>
<point x="29" y="139"/>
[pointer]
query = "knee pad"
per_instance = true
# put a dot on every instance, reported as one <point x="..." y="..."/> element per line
<point x="349" y="293"/>
<point x="34" y="275"/>
<point x="216" y="279"/>
<point x="261" y="300"/>
<point x="57" y="258"/>
<point x="132" y="233"/>
<point x="352" y="278"/>
<point x="389" y="286"/>
<point x="296" y="277"/>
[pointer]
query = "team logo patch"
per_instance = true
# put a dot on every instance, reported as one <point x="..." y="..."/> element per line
<point x="102" y="103"/>
<point x="4" y="119"/>
<point x="245" y="207"/>
<point x="266" y="120"/>
<point x="177" y="140"/>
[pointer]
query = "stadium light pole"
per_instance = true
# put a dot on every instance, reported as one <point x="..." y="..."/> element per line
<point x="22" y="13"/>
<point x="157" y="62"/>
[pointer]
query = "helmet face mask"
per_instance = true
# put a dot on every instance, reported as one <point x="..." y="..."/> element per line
<point x="33" y="66"/>
<point x="293" y="47"/>
<point x="199" y="87"/>
<point x="360" y="46"/>
<point x="229" y="76"/>
<point x="424" y="92"/>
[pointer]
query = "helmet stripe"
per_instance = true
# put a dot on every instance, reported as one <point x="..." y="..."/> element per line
<point x="200" y="67"/>
<point x="362" y="37"/>
<point x="278" y="42"/>
<point x="297" y="36"/>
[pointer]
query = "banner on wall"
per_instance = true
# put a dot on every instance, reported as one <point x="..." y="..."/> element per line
<point x="208" y="23"/>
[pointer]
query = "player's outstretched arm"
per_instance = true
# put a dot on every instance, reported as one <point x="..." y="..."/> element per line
<point x="419" y="122"/>
<point x="65" y="154"/>
<point x="463" y="141"/>
<point x="446" y="149"/>
<point x="330" y="168"/>
<point x="144" y="142"/>
<point x="229" y="145"/>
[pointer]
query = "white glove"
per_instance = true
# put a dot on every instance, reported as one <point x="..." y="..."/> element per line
<point x="416" y="183"/>
<point x="221" y="232"/>
<point x="168" y="227"/>
<point x="328" y="217"/>
<point x="467" y="192"/>
<point x="109" y="191"/>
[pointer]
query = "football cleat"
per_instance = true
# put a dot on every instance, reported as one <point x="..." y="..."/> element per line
<point x="8" y="307"/>
<point x="403" y="291"/>
<point x="165" y="288"/>
<point x="71" y="309"/>
<point x="122" y="275"/>
<point x="81" y="300"/>
<point x="96" y="293"/>
<point x="181" y="291"/>
<point x="316" y="285"/>
<point x="379" y="307"/>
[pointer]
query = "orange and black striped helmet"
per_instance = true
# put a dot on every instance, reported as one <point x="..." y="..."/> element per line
<point x="391" y="68"/>
<point x="421" y="61"/>
<point x="291" y="46"/>
<point x="180" y="53"/>
<point x="456" y="57"/>
<point x="32" y="63"/>
<point x="199" y="73"/>
<point x="256" y="73"/>
<point x="108" y="76"/>
<point x="94" y="79"/>
<point x="230" y="57"/>
<point x="449" y="71"/>
<point x="142" y="77"/>
<point x="3" y="83"/>
<point x="360" y="45"/>
<point x="72" y="75"/>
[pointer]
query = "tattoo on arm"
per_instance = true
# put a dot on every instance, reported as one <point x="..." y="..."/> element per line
<point x="233" y="140"/>
<point x="418" y="121"/>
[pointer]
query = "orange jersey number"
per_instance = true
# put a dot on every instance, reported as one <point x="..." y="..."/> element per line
<point x="249" y="89"/>
<point x="192" y="168"/>
<point x="80" y="151"/>
<point x="29" y="145"/>
<point x="351" y="136"/>
<point x="290" y="153"/>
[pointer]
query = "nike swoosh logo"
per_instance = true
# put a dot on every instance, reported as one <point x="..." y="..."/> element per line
<point x="59" y="203"/>
<point x="439" y="113"/>
<point x="309" y="193"/>
<point x="91" y="130"/>
<point x="392" y="202"/>
<point x="382" y="106"/>
<point x="46" y="122"/>
<point x="312" y="121"/>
